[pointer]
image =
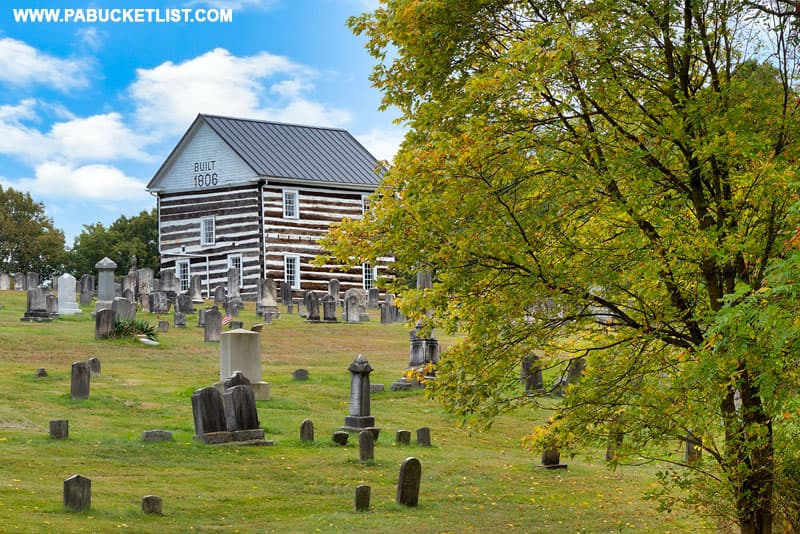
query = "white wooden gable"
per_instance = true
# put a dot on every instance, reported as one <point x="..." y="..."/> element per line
<point x="201" y="161"/>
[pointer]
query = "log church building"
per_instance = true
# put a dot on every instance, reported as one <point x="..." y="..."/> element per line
<point x="257" y="196"/>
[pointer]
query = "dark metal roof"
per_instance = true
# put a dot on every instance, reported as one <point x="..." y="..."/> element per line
<point x="297" y="153"/>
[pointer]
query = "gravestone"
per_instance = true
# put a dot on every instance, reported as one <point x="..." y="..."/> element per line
<point x="373" y="294"/>
<point x="154" y="436"/>
<point x="94" y="366"/>
<point x="129" y="284"/>
<point x="5" y="282"/>
<point x="340" y="437"/>
<point x="387" y="316"/>
<point x="129" y="294"/>
<point x="31" y="280"/>
<point x="402" y="437"/>
<point x="179" y="320"/>
<point x="312" y="306"/>
<point x="41" y="372"/>
<point x="213" y="325"/>
<point x="531" y="374"/>
<point x="423" y="349"/>
<point x="103" y="323"/>
<point x="237" y="325"/>
<point x="219" y="295"/>
<point x="234" y="300"/>
<point x="37" y="309"/>
<point x="408" y="482"/>
<point x="67" y="304"/>
<point x="355" y="306"/>
<point x="59" y="429"/>
<point x="328" y="309"/>
<point x="333" y="289"/>
<point x="307" y="431"/>
<point x="87" y="291"/>
<point x="163" y="326"/>
<point x="77" y="493"/>
<point x="208" y="412"/>
<point x="240" y="409"/>
<point x="144" y="302"/>
<point x="575" y="370"/>
<point x="124" y="309"/>
<point x="693" y="451"/>
<point x="551" y="458"/>
<point x="169" y="283"/>
<point x="424" y="436"/>
<point x="201" y="317"/>
<point x="236" y="379"/>
<point x="196" y="289"/>
<point x="286" y="296"/>
<point x="362" y="498"/>
<point x="159" y="302"/>
<point x="359" y="418"/>
<point x="19" y="282"/>
<point x="144" y="281"/>
<point x="240" y="350"/>
<point x="151" y="504"/>
<point x="105" y="283"/>
<point x="366" y="446"/>
<point x="267" y="302"/>
<point x="300" y="374"/>
<point x="183" y="303"/>
<point x="51" y="304"/>
<point x="79" y="383"/>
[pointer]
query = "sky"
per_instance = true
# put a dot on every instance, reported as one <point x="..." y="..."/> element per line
<point x="92" y="104"/>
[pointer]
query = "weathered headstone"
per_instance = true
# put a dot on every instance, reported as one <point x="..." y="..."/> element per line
<point x="240" y="350"/>
<point x="79" y="383"/>
<point x="5" y="282"/>
<point x="312" y="306"/>
<point x="213" y="325"/>
<point x="333" y="289"/>
<point x="234" y="300"/>
<point x="240" y="408"/>
<point x="37" y="309"/>
<point x="424" y="436"/>
<point x="219" y="295"/>
<point x="124" y="309"/>
<point x="201" y="317"/>
<point x="129" y="294"/>
<point x="169" y="283"/>
<point x="87" y="289"/>
<point x="59" y="429"/>
<point x="129" y="284"/>
<point x="267" y="302"/>
<point x="408" y="482"/>
<point x="196" y="289"/>
<point x="236" y="379"/>
<point x="31" y="280"/>
<point x="328" y="309"/>
<point x="355" y="306"/>
<point x="183" y="303"/>
<point x="359" y="418"/>
<point x="423" y="349"/>
<point x="51" y="304"/>
<point x="307" y="431"/>
<point x="151" y="505"/>
<point x="67" y="304"/>
<point x="159" y="302"/>
<point x="153" y="436"/>
<point x="163" y="326"/>
<point x="531" y="374"/>
<point x="286" y="296"/>
<point x="94" y="366"/>
<point x="19" y="282"/>
<point x="236" y="325"/>
<point x="144" y="281"/>
<point x="387" y="315"/>
<point x="402" y="437"/>
<point x="41" y="372"/>
<point x="103" y="323"/>
<point x="575" y="371"/>
<point x="208" y="411"/>
<point x="179" y="320"/>
<point x="300" y="374"/>
<point x="362" y="498"/>
<point x="551" y="458"/>
<point x="77" y="493"/>
<point x="105" y="283"/>
<point x="340" y="437"/>
<point x="366" y="446"/>
<point x="373" y="294"/>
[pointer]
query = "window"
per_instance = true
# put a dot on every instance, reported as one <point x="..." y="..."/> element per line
<point x="183" y="274"/>
<point x="291" y="270"/>
<point x="207" y="235"/>
<point x="364" y="204"/>
<point x="370" y="275"/>
<point x="235" y="262"/>
<point x="291" y="209"/>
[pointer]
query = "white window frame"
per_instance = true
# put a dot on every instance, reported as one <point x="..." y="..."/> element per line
<point x="369" y="276"/>
<point x="293" y="259"/>
<point x="237" y="258"/>
<point x="291" y="209"/>
<point x="183" y="273"/>
<point x="364" y="204"/>
<point x="204" y="241"/>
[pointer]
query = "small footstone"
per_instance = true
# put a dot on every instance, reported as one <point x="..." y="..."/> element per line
<point x="156" y="435"/>
<point x="41" y="372"/>
<point x="340" y="437"/>
<point x="59" y="429"/>
<point x="362" y="497"/>
<point x="424" y="436"/>
<point x="402" y="437"/>
<point x="151" y="504"/>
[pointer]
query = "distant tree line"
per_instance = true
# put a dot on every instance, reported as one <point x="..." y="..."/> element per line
<point x="29" y="241"/>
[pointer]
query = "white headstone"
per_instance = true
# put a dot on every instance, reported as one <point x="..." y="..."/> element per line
<point x="67" y="304"/>
<point x="240" y="350"/>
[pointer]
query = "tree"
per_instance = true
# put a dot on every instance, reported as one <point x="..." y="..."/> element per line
<point x="608" y="184"/>
<point x="121" y="241"/>
<point x="28" y="240"/>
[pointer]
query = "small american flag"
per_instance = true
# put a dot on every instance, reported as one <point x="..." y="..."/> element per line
<point x="227" y="319"/>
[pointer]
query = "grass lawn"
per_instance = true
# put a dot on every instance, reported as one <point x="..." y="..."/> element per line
<point x="471" y="481"/>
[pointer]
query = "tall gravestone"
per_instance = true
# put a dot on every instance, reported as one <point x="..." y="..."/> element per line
<point x="286" y="296"/>
<point x="312" y="306"/>
<point x="144" y="281"/>
<point x="267" y="302"/>
<point x="240" y="409"/>
<point x="234" y="300"/>
<point x="240" y="350"/>
<point x="208" y="411"/>
<point x="328" y="309"/>
<point x="79" y="383"/>
<point x="212" y="329"/>
<point x="105" y="283"/>
<point x="5" y="282"/>
<point x="355" y="306"/>
<point x="359" y="418"/>
<point x="408" y="482"/>
<point x="184" y="304"/>
<point x="129" y="283"/>
<point x="373" y="294"/>
<point x="19" y="282"/>
<point x="31" y="280"/>
<point x="169" y="283"/>
<point x="366" y="446"/>
<point x="196" y="289"/>
<point x="86" y="289"/>
<point x="219" y="295"/>
<point x="333" y="289"/>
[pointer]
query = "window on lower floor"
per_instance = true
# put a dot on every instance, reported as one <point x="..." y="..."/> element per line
<point x="183" y="274"/>
<point x="369" y="276"/>
<point x="291" y="270"/>
<point x="235" y="262"/>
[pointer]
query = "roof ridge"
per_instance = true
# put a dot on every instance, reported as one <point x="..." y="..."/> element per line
<point x="278" y="123"/>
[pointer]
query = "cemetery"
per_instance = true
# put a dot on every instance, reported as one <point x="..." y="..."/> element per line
<point x="100" y="435"/>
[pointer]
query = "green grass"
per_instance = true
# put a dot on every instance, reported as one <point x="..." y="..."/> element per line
<point x="472" y="482"/>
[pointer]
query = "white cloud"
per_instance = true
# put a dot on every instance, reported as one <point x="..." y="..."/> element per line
<point x="93" y="182"/>
<point x="169" y="96"/>
<point x="383" y="143"/>
<point x="91" y="37"/>
<point x="99" y="137"/>
<point x="22" y="65"/>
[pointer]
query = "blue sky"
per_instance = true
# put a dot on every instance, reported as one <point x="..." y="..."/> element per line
<point x="89" y="111"/>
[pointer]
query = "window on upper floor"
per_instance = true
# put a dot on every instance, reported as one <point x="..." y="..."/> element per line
<point x="291" y="208"/>
<point x="207" y="231"/>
